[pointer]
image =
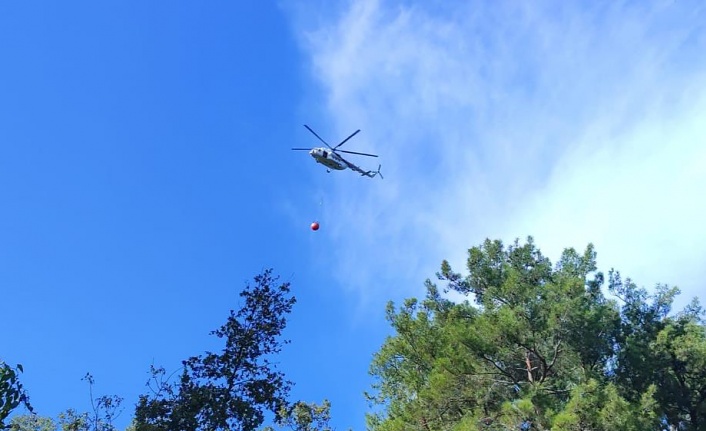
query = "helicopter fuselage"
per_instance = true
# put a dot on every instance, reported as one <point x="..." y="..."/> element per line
<point x="328" y="158"/>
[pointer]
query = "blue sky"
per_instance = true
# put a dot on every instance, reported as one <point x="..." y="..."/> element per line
<point x="145" y="168"/>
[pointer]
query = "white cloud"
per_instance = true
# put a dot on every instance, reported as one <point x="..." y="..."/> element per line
<point x="508" y="119"/>
<point x="638" y="196"/>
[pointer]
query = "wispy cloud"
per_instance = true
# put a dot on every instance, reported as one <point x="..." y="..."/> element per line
<point x="570" y="123"/>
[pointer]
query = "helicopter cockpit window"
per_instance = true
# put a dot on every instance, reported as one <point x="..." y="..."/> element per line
<point x="325" y="155"/>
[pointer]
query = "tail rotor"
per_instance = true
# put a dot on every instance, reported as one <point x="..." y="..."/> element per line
<point x="372" y="174"/>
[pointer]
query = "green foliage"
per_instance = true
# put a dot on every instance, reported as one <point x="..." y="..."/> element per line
<point x="662" y="350"/>
<point x="69" y="420"/>
<point x="105" y="410"/>
<point x="680" y="349"/>
<point x="233" y="389"/>
<point x="541" y="348"/>
<point x="302" y="416"/>
<point x="229" y="390"/>
<point x="12" y="393"/>
<point x="598" y="406"/>
<point x="32" y="422"/>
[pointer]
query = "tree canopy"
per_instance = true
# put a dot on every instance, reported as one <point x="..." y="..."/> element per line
<point x="538" y="346"/>
<point x="12" y="393"/>
<point x="533" y="346"/>
<point x="231" y="389"/>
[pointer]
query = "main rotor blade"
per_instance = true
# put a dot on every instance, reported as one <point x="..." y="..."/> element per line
<point x="303" y="149"/>
<point x="346" y="140"/>
<point x="325" y="143"/>
<point x="354" y="152"/>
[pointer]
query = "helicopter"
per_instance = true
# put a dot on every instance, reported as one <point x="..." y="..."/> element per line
<point x="331" y="158"/>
